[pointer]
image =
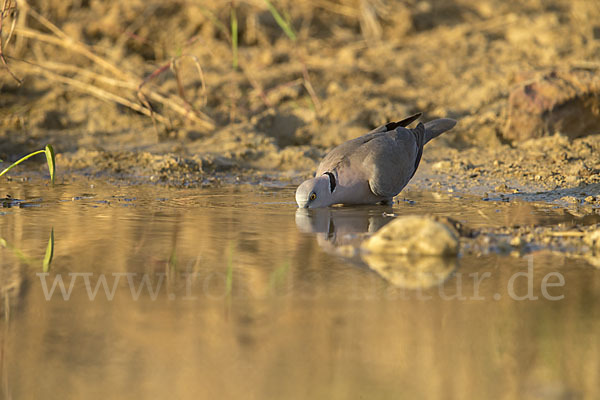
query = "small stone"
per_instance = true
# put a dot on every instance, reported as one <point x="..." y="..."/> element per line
<point x="347" y="251"/>
<point x="333" y="88"/>
<point x="516" y="241"/>
<point x="570" y="199"/>
<point x="589" y="199"/>
<point x="502" y="188"/>
<point x="571" y="179"/>
<point x="441" y="166"/>
<point x="414" y="235"/>
<point x="592" y="239"/>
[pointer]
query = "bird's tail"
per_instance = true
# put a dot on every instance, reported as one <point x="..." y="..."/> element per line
<point x="438" y="126"/>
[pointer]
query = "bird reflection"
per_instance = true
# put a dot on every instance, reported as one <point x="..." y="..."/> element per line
<point x="341" y="230"/>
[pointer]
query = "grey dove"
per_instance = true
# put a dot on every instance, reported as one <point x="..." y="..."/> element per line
<point x="372" y="168"/>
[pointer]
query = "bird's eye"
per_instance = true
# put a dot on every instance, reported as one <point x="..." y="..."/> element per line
<point x="313" y="196"/>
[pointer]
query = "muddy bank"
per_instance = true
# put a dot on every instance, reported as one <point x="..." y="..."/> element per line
<point x="149" y="91"/>
<point x="551" y="169"/>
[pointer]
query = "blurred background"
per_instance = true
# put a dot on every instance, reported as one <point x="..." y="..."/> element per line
<point x="270" y="84"/>
<point x="195" y="92"/>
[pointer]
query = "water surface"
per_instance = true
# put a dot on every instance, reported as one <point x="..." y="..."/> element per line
<point x="234" y="293"/>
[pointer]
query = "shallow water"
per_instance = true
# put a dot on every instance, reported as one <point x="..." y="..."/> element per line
<point x="234" y="293"/>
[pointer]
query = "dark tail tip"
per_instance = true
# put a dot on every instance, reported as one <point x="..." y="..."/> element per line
<point x="405" y="122"/>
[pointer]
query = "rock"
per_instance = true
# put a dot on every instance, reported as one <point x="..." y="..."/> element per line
<point x="443" y="166"/>
<point x="458" y="228"/>
<point x="572" y="179"/>
<point x="593" y="260"/>
<point x="560" y="101"/>
<point x="502" y="188"/>
<point x="570" y="199"/>
<point x="516" y="241"/>
<point x="414" y="235"/>
<point x="592" y="239"/>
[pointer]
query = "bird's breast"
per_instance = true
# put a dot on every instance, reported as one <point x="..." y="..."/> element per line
<point x="355" y="192"/>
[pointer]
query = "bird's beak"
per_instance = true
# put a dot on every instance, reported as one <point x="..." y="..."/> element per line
<point x="302" y="204"/>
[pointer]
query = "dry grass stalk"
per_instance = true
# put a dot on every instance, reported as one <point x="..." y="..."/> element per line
<point x="256" y="86"/>
<point x="69" y="43"/>
<point x="123" y="79"/>
<point x="94" y="90"/>
<point x="7" y="8"/>
<point x="285" y="85"/>
<point x="340" y="9"/>
<point x="187" y="106"/>
<point x="175" y="68"/>
<point x="309" y="88"/>
<point x="91" y="75"/>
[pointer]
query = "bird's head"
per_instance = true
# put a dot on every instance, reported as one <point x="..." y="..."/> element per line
<point x="316" y="192"/>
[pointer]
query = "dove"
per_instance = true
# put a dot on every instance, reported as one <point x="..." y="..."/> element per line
<point x="372" y="168"/>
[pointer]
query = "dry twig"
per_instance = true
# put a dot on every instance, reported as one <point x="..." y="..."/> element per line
<point x="120" y="79"/>
<point x="7" y="8"/>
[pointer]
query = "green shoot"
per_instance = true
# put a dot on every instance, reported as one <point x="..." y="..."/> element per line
<point x="229" y="278"/>
<point x="277" y="277"/>
<point x="50" y="158"/>
<point x="234" y="37"/>
<point x="49" y="253"/>
<point x="283" y="24"/>
<point x="49" y="150"/>
<point x="16" y="252"/>
<point x="208" y="14"/>
<point x="46" y="262"/>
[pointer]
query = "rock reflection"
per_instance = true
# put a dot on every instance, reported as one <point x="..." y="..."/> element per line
<point x="412" y="272"/>
<point x="340" y="231"/>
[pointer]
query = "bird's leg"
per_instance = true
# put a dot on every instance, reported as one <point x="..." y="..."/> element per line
<point x="387" y="202"/>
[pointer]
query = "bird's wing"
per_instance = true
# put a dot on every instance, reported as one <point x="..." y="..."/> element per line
<point x="391" y="160"/>
<point x="339" y="155"/>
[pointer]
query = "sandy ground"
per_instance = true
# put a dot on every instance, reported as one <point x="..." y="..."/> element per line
<point x="519" y="76"/>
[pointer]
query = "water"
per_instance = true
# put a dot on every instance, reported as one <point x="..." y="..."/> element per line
<point x="234" y="293"/>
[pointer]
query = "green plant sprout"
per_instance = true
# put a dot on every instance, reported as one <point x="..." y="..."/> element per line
<point x="229" y="277"/>
<point x="279" y="275"/>
<point x="283" y="24"/>
<point x="48" y="256"/>
<point x="16" y="251"/>
<point x="50" y="159"/>
<point x="234" y="36"/>
<point x="49" y="253"/>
